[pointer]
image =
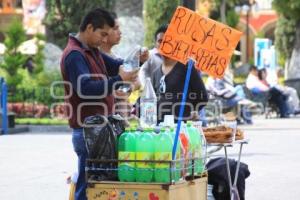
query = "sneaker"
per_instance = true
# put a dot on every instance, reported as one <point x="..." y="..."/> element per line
<point x="296" y="112"/>
<point x="249" y="121"/>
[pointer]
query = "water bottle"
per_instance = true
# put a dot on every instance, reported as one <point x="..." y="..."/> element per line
<point x="132" y="61"/>
<point x="162" y="152"/>
<point x="148" y="109"/>
<point x="200" y="151"/>
<point x="145" y="151"/>
<point x="127" y="151"/>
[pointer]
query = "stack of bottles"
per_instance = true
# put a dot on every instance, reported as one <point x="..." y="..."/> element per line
<point x="136" y="146"/>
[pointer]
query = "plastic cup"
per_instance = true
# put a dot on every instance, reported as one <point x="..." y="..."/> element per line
<point x="233" y="125"/>
<point x="169" y="120"/>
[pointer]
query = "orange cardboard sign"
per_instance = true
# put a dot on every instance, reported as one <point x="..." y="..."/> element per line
<point x="208" y="42"/>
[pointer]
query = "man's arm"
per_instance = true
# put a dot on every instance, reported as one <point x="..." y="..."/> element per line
<point x="112" y="64"/>
<point x="76" y="66"/>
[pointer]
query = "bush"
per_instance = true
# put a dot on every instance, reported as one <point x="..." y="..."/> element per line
<point x="13" y="60"/>
<point x="157" y="13"/>
<point x="29" y="109"/>
<point x="37" y="110"/>
<point x="41" y="121"/>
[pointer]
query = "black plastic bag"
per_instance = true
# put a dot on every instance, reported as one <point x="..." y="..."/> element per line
<point x="217" y="176"/>
<point x="100" y="134"/>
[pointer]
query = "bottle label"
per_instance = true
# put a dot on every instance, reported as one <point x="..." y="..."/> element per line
<point x="144" y="156"/>
<point x="126" y="155"/>
<point x="164" y="156"/>
<point x="148" y="113"/>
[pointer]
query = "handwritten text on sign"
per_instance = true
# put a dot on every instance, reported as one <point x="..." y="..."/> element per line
<point x="209" y="42"/>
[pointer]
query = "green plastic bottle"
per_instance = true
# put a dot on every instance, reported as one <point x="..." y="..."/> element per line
<point x="127" y="151"/>
<point x="162" y="152"/>
<point x="145" y="151"/>
<point x="176" y="172"/>
<point x="195" y="148"/>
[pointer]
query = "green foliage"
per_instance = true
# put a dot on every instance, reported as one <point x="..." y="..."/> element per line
<point x="157" y="13"/>
<point x="260" y="34"/>
<point x="285" y="36"/>
<point x="36" y="95"/>
<point x="288" y="8"/>
<point x="41" y="121"/>
<point x="12" y="59"/>
<point x="240" y="79"/>
<point x="64" y="17"/>
<point x="286" y="25"/>
<point x="39" y="57"/>
<point x="34" y="86"/>
<point x="232" y="18"/>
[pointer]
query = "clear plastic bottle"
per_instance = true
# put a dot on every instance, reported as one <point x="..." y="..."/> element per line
<point x="132" y="61"/>
<point x="148" y="109"/>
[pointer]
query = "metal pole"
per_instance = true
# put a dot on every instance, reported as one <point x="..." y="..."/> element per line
<point x="223" y="11"/>
<point x="228" y="172"/>
<point x="4" y="106"/>
<point x="247" y="34"/>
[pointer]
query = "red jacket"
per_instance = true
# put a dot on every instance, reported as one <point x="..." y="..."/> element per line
<point x="79" y="108"/>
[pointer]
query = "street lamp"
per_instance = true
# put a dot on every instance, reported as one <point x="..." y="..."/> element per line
<point x="246" y="5"/>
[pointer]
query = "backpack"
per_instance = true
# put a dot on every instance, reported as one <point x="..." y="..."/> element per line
<point x="217" y="176"/>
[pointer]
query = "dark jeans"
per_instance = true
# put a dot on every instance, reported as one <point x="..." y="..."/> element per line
<point x="280" y="100"/>
<point x="80" y="150"/>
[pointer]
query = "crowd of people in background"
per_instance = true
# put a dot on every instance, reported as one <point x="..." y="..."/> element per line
<point x="284" y="98"/>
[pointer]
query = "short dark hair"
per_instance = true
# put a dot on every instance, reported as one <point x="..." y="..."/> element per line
<point x="260" y="73"/>
<point x="97" y="17"/>
<point x="114" y="15"/>
<point x="253" y="67"/>
<point x="161" y="29"/>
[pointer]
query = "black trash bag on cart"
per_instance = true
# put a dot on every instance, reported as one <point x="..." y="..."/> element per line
<point x="100" y="134"/>
<point x="217" y="176"/>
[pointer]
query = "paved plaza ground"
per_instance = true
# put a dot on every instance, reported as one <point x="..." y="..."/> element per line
<point x="34" y="166"/>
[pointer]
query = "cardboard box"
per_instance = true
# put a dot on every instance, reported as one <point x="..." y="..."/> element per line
<point x="186" y="190"/>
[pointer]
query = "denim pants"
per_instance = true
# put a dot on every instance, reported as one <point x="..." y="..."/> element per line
<point x="80" y="150"/>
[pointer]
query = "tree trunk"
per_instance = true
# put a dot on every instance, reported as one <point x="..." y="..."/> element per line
<point x="223" y="11"/>
<point x="293" y="71"/>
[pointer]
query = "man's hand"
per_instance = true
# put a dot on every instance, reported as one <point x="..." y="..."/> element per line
<point x="136" y="85"/>
<point x="144" y="55"/>
<point x="128" y="76"/>
<point x="119" y="94"/>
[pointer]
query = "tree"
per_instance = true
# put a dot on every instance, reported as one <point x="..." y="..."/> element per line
<point x="157" y="13"/>
<point x="13" y="60"/>
<point x="224" y="11"/>
<point x="287" y="35"/>
<point x="39" y="57"/>
<point x="64" y="17"/>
